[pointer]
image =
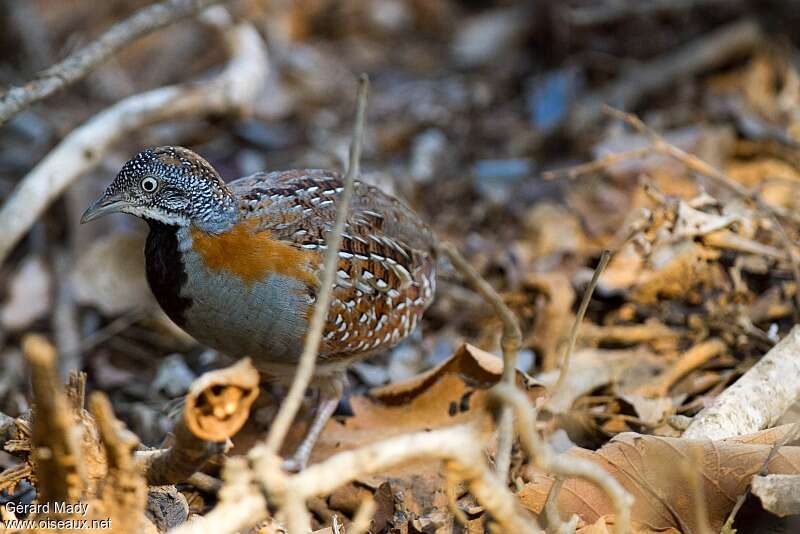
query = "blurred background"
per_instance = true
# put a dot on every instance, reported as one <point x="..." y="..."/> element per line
<point x="471" y="102"/>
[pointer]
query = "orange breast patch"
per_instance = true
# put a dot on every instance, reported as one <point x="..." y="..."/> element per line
<point x="252" y="256"/>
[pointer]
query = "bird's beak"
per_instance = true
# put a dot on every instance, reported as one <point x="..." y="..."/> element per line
<point x="103" y="206"/>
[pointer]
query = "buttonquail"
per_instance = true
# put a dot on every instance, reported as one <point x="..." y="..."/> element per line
<point x="238" y="265"/>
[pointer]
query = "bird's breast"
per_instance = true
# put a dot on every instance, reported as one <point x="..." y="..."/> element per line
<point x="233" y="293"/>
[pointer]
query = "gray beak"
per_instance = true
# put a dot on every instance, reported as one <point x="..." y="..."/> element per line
<point x="103" y="206"/>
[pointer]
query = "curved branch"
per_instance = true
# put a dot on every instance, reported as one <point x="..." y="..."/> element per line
<point x="80" y="151"/>
<point x="82" y="62"/>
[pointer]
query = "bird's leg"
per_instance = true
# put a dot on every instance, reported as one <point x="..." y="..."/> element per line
<point x="330" y="392"/>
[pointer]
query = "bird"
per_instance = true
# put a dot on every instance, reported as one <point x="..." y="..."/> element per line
<point x="238" y="265"/>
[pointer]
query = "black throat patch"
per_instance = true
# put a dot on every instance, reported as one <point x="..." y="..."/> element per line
<point x="166" y="272"/>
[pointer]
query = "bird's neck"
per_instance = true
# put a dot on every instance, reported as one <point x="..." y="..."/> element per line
<point x="217" y="217"/>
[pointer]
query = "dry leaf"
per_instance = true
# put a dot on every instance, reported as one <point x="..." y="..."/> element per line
<point x="654" y="470"/>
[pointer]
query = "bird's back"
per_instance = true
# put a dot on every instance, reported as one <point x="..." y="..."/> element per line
<point x="386" y="271"/>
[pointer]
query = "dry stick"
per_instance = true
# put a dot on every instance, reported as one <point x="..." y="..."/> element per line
<point x="550" y="512"/>
<point x="758" y="399"/>
<point x="597" y="164"/>
<point x="125" y="491"/>
<point x="216" y="407"/>
<point x="56" y="439"/>
<point x="690" y="360"/>
<point x="305" y="368"/>
<point x="459" y="446"/>
<point x="13" y="475"/>
<point x="363" y="518"/>
<point x="176" y="464"/>
<point x="560" y="464"/>
<point x="233" y="90"/>
<point x="573" y="334"/>
<point x="205" y="482"/>
<point x="240" y="505"/>
<point x="82" y="62"/>
<point x="662" y="146"/>
<point x="511" y="340"/>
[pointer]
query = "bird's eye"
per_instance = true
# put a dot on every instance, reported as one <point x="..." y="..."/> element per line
<point x="149" y="184"/>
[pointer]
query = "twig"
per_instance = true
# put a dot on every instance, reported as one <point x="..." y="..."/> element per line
<point x="65" y="317"/>
<point x="690" y="360"/>
<point x="177" y="463"/>
<point x="216" y="407"/>
<point x="510" y="341"/>
<point x="693" y="163"/>
<point x="573" y="334"/>
<point x="757" y="399"/>
<point x="82" y="62"/>
<point x="305" y="369"/>
<point x="596" y="165"/>
<point x="553" y="522"/>
<point x="11" y="476"/>
<point x="458" y="446"/>
<point x="55" y="449"/>
<point x="205" y="482"/>
<point x="547" y="460"/>
<point x="125" y="492"/>
<point x="231" y="91"/>
<point x="363" y="518"/>
<point x="241" y="504"/>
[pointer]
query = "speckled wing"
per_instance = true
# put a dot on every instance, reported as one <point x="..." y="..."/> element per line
<point x="386" y="273"/>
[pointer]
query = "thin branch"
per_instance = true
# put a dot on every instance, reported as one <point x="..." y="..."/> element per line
<point x="459" y="446"/>
<point x="693" y="163"/>
<point x="216" y="407"/>
<point x="598" y="164"/>
<point x="758" y="399"/>
<point x="240" y="506"/>
<point x="563" y="465"/>
<point x="573" y="334"/>
<point x="363" y="518"/>
<point x="511" y="340"/>
<point x="78" y="65"/>
<point x="233" y="90"/>
<point x="56" y="439"/>
<point x="550" y="513"/>
<point x="124" y="491"/>
<point x="305" y="368"/>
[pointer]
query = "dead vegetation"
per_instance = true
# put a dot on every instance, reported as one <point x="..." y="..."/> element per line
<point x="613" y="343"/>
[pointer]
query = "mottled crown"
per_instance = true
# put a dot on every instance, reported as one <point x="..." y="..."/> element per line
<point x="174" y="185"/>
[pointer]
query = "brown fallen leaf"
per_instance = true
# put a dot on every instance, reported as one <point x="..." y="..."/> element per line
<point x="649" y="468"/>
<point x="454" y="392"/>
